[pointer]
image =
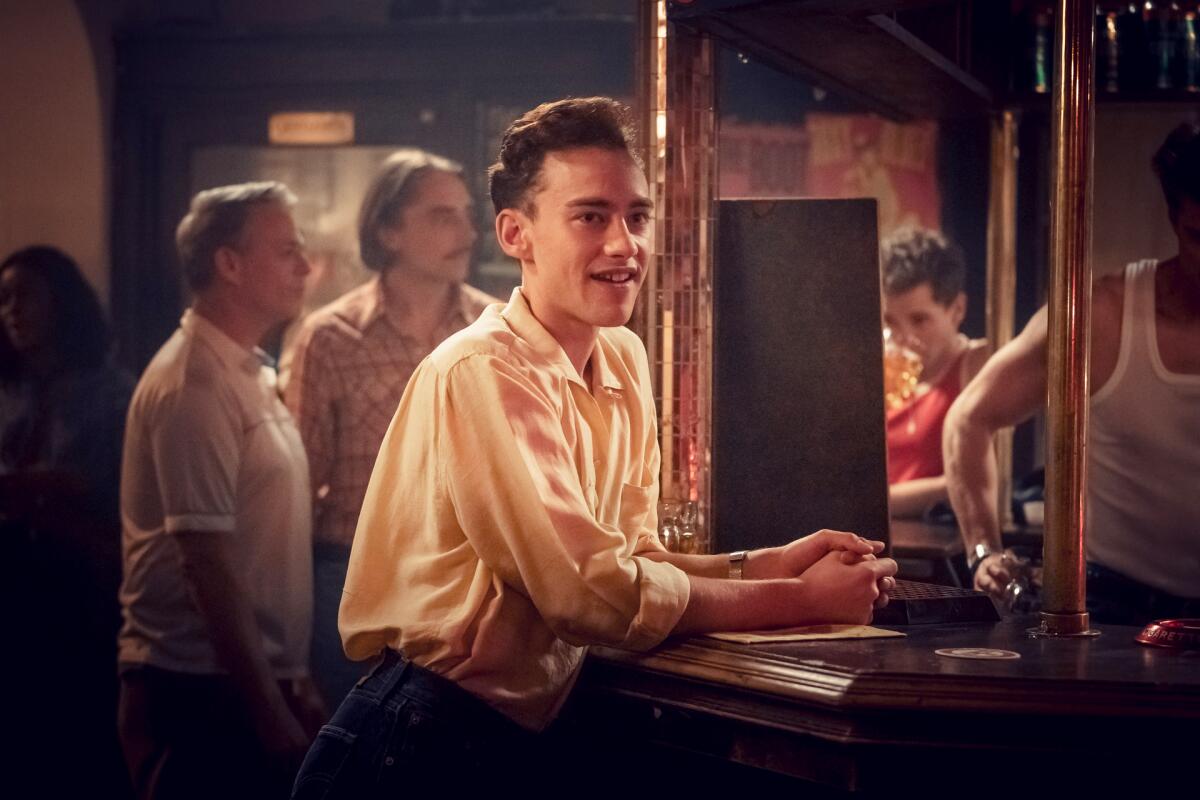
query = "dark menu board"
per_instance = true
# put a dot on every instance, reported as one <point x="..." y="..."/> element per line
<point x="798" y="418"/>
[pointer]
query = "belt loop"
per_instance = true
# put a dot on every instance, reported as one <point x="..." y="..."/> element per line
<point x="391" y="670"/>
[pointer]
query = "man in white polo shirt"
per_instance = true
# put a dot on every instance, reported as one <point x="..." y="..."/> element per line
<point x="215" y="507"/>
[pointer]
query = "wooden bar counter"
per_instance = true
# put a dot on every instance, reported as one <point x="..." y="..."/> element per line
<point x="880" y="715"/>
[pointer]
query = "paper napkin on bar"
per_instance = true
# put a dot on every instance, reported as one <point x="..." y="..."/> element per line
<point x="806" y="634"/>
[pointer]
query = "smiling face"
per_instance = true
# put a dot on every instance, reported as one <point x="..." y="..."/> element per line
<point x="583" y="243"/>
<point x="434" y="236"/>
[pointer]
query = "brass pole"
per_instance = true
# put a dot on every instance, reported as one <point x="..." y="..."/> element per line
<point x="1064" y="591"/>
<point x="648" y="317"/>
<point x="687" y="215"/>
<point x="677" y="107"/>
<point x="650" y="67"/>
<point x="1002" y="275"/>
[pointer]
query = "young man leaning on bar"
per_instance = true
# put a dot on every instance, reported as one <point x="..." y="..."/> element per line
<point x="510" y="518"/>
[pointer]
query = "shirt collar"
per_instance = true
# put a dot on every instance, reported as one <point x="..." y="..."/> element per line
<point x="602" y="374"/>
<point x="373" y="305"/>
<point x="376" y="306"/>
<point x="520" y="318"/>
<point x="230" y="352"/>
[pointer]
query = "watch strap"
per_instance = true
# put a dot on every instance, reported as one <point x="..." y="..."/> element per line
<point x="737" y="561"/>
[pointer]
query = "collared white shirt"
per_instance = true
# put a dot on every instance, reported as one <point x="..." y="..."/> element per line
<point x="502" y="525"/>
<point x="210" y="447"/>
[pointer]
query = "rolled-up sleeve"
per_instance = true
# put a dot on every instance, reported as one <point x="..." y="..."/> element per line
<point x="514" y="483"/>
<point x="196" y="445"/>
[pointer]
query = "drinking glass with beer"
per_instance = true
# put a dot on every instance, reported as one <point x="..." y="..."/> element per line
<point x="901" y="371"/>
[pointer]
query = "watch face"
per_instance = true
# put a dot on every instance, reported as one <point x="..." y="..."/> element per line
<point x="978" y="553"/>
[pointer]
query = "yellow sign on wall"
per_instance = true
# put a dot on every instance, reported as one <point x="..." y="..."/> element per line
<point x="311" y="127"/>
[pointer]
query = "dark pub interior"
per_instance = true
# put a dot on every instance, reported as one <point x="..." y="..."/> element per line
<point x="772" y="395"/>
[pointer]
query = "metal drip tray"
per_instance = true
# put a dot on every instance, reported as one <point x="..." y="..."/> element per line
<point x="913" y="603"/>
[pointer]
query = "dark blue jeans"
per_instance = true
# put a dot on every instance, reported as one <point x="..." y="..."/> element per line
<point x="1116" y="599"/>
<point x="404" y="729"/>
<point x="334" y="674"/>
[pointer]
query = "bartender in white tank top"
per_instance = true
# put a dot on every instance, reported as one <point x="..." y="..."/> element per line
<point x="1144" y="449"/>
<point x="1143" y="538"/>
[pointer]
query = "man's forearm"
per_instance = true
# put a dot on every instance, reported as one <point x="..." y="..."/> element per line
<point x="765" y="563"/>
<point x="1009" y="388"/>
<point x="221" y="601"/>
<point x="842" y="587"/>
<point x="717" y="605"/>
<point x="971" y="481"/>
<point x="703" y="566"/>
<point x="757" y="565"/>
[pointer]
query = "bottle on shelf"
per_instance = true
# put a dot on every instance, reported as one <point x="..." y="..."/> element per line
<point x="1033" y="58"/>
<point x="1043" y="47"/>
<point x="1189" y="52"/>
<point x="1162" y="33"/>
<point x="1108" y="51"/>
<point x="1134" y="50"/>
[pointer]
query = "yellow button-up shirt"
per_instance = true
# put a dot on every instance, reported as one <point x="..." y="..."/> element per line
<point x="503" y="522"/>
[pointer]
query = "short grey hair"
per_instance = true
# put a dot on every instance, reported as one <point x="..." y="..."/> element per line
<point x="216" y="219"/>
<point x="393" y="188"/>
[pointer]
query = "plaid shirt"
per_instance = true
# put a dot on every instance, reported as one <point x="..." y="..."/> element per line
<point x="351" y="363"/>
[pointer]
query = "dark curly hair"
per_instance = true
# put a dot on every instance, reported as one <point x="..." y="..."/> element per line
<point x="912" y="256"/>
<point x="1177" y="165"/>
<point x="79" y="333"/>
<point x="561" y="125"/>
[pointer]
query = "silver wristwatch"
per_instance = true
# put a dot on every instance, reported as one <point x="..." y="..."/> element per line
<point x="976" y="554"/>
<point x="737" y="560"/>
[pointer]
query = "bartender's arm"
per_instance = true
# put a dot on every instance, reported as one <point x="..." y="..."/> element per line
<point x="1007" y="391"/>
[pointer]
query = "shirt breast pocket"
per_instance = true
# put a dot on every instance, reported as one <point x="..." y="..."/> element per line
<point x="637" y="509"/>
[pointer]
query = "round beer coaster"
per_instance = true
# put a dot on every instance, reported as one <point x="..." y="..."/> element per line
<point x="981" y="653"/>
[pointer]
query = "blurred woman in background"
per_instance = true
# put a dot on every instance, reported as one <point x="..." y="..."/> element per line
<point x="62" y="417"/>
